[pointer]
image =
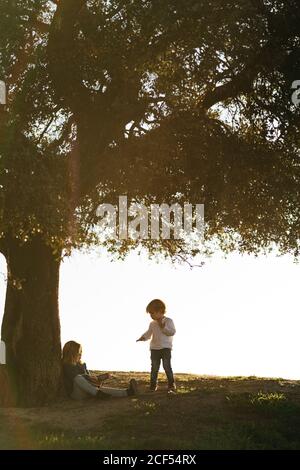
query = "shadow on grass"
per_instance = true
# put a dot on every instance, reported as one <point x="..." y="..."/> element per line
<point x="206" y="413"/>
<point x="191" y="420"/>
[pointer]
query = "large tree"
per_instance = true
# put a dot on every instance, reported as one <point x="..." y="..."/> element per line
<point x="162" y="101"/>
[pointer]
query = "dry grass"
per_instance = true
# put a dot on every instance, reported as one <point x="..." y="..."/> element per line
<point x="206" y="413"/>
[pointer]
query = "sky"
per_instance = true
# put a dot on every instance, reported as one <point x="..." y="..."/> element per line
<point x="234" y="316"/>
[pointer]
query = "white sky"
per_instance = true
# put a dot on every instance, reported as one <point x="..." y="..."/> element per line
<point x="238" y="316"/>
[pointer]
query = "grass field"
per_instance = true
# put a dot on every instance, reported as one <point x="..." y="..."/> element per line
<point x="206" y="413"/>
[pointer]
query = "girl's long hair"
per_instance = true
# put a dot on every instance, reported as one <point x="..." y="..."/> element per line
<point x="71" y="352"/>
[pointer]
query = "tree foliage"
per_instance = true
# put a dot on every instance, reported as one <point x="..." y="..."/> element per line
<point x="163" y="101"/>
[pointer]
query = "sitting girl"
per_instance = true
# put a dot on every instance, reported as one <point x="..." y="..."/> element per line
<point x="81" y="384"/>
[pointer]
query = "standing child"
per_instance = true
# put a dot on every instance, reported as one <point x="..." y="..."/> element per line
<point x="161" y="331"/>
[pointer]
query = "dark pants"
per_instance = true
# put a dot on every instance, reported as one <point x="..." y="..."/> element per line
<point x="156" y="356"/>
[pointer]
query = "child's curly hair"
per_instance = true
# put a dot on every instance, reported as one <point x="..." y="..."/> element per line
<point x="71" y="352"/>
<point x="156" y="305"/>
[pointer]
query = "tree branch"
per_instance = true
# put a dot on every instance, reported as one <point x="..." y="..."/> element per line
<point x="243" y="82"/>
<point x="271" y="55"/>
<point x="62" y="53"/>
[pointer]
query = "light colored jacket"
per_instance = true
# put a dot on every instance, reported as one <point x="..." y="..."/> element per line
<point x="161" y="337"/>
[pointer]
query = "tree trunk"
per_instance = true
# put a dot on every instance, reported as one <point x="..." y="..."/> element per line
<point x="31" y="328"/>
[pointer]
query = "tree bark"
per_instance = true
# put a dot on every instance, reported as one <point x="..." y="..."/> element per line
<point x="31" y="327"/>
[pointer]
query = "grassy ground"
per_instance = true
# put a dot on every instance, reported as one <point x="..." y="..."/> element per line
<point x="206" y="413"/>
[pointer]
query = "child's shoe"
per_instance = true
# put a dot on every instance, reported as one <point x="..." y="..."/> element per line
<point x="172" y="389"/>
<point x="133" y="388"/>
<point x="153" y="388"/>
